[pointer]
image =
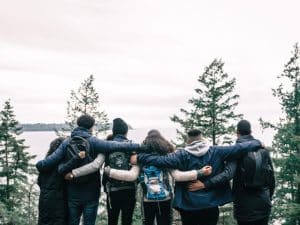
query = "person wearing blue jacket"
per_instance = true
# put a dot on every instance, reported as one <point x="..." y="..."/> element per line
<point x="252" y="206"/>
<point x="84" y="198"/>
<point x="199" y="207"/>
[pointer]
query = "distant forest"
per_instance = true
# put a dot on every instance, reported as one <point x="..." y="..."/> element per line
<point x="44" y="126"/>
<point x="48" y="126"/>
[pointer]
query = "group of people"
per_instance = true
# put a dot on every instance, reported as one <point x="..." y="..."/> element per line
<point x="70" y="181"/>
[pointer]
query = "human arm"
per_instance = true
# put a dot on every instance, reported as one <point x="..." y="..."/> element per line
<point x="223" y="177"/>
<point x="53" y="160"/>
<point x="171" y="160"/>
<point x="181" y="176"/>
<point x="271" y="182"/>
<point x="233" y="152"/>
<point x="102" y="146"/>
<point x="89" y="168"/>
<point x="123" y="175"/>
<point x="66" y="167"/>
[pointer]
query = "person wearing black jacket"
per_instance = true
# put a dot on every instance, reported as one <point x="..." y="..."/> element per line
<point x="119" y="199"/>
<point x="251" y="206"/>
<point x="52" y="201"/>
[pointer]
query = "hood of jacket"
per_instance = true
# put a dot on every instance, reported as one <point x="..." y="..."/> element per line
<point x="197" y="148"/>
<point x="245" y="138"/>
<point x="81" y="132"/>
<point x="120" y="138"/>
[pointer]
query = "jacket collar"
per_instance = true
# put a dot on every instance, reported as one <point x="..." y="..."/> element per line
<point x="82" y="132"/>
<point x="245" y="138"/>
<point x="120" y="137"/>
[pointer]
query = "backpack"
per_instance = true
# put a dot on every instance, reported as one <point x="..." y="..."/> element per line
<point x="255" y="170"/>
<point x="120" y="161"/>
<point x="75" y="145"/>
<point x="156" y="184"/>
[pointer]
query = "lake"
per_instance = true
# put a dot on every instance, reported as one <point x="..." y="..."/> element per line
<point x="38" y="142"/>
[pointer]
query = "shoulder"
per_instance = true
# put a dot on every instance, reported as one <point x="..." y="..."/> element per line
<point x="265" y="151"/>
<point x="180" y="151"/>
<point x="214" y="149"/>
<point x="66" y="141"/>
<point x="94" y="139"/>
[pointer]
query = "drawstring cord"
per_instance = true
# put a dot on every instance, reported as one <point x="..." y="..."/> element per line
<point x="158" y="205"/>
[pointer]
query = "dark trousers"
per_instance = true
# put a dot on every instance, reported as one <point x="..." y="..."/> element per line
<point x="120" y="201"/>
<point x="87" y="209"/>
<point x="256" y="222"/>
<point x="159" y="210"/>
<point x="200" y="217"/>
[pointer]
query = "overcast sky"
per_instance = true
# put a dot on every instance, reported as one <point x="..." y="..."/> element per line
<point x="145" y="54"/>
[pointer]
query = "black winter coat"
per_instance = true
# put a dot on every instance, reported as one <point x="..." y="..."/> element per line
<point x="53" y="199"/>
<point x="252" y="205"/>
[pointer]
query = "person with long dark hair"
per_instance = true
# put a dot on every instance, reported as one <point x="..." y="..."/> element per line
<point x="53" y="208"/>
<point x="157" y="207"/>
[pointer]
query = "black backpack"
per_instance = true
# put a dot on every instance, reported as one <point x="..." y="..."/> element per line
<point x="120" y="161"/>
<point x="255" y="170"/>
<point x="75" y="145"/>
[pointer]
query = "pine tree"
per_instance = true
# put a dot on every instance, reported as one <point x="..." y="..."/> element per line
<point x="14" y="168"/>
<point x="86" y="101"/>
<point x="286" y="144"/>
<point x="213" y="109"/>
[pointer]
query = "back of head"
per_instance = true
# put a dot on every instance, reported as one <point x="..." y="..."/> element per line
<point x="54" y="145"/>
<point x="110" y="137"/>
<point x="157" y="142"/>
<point x="244" y="127"/>
<point x="86" y="121"/>
<point x="119" y="127"/>
<point x="194" y="135"/>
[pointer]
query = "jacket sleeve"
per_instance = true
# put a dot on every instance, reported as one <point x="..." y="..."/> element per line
<point x="89" y="168"/>
<point x="223" y="177"/>
<point x="66" y="167"/>
<point x="101" y="146"/>
<point x="182" y="176"/>
<point x="125" y="175"/>
<point x="229" y="153"/>
<point x="53" y="160"/>
<point x="271" y="176"/>
<point x="171" y="160"/>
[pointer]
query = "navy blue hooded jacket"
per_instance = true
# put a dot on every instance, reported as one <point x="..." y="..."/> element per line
<point x="98" y="146"/>
<point x="187" y="159"/>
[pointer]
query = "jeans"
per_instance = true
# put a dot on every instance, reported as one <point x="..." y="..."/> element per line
<point x="256" y="222"/>
<point x="200" y="217"/>
<point x="87" y="209"/>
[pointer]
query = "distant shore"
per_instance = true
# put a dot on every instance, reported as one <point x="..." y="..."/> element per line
<point x="41" y="127"/>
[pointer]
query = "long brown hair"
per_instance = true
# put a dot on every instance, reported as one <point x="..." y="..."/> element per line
<point x="158" y="143"/>
<point x="54" y="145"/>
